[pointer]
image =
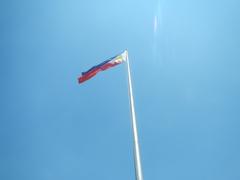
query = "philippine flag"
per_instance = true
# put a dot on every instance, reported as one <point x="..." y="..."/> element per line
<point x="103" y="66"/>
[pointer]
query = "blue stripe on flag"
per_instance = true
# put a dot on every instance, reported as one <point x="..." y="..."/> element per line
<point x="99" y="65"/>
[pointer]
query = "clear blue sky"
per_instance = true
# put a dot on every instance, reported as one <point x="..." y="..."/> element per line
<point x="185" y="58"/>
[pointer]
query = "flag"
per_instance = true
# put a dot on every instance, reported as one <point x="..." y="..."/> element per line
<point x="118" y="59"/>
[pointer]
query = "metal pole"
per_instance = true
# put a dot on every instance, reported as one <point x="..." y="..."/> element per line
<point x="137" y="159"/>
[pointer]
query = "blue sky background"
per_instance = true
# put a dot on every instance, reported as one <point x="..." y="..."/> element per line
<point x="185" y="58"/>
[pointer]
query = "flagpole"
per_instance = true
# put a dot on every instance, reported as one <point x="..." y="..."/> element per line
<point x="137" y="158"/>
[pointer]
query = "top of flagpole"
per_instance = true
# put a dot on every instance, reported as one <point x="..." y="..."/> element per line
<point x="125" y="55"/>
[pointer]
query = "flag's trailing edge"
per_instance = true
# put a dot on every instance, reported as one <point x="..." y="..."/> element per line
<point x="118" y="59"/>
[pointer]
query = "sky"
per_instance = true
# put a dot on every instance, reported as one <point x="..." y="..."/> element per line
<point x="185" y="60"/>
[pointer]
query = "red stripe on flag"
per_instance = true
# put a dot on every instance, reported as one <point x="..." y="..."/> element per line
<point x="92" y="73"/>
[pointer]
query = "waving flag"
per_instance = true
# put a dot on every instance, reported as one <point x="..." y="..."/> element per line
<point x="103" y="66"/>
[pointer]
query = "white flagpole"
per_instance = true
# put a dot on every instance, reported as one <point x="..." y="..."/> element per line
<point x="137" y="159"/>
